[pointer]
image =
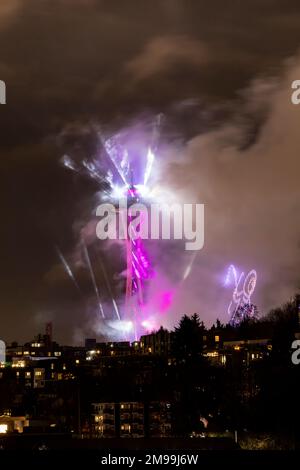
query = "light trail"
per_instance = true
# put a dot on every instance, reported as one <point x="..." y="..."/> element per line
<point x="109" y="289"/>
<point x="88" y="260"/>
<point x="67" y="268"/>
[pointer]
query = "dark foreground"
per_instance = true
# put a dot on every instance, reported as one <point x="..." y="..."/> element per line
<point x="51" y="451"/>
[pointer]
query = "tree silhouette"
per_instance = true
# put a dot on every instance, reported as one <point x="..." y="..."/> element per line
<point x="188" y="337"/>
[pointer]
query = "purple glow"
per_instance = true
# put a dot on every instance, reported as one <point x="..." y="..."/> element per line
<point x="166" y="301"/>
<point x="126" y="166"/>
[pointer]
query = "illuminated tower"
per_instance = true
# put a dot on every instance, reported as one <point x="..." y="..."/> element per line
<point x="138" y="266"/>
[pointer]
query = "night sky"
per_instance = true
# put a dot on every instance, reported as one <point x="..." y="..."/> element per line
<point x="220" y="72"/>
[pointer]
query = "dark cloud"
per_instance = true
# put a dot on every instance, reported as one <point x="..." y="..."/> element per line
<point x="68" y="64"/>
<point x="251" y="195"/>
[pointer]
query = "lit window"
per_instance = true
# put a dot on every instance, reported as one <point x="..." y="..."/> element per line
<point x="3" y="428"/>
<point x="19" y="364"/>
<point x="57" y="353"/>
<point x="212" y="354"/>
<point x="37" y="373"/>
<point x="77" y="361"/>
<point x="217" y="338"/>
<point x="28" y="375"/>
